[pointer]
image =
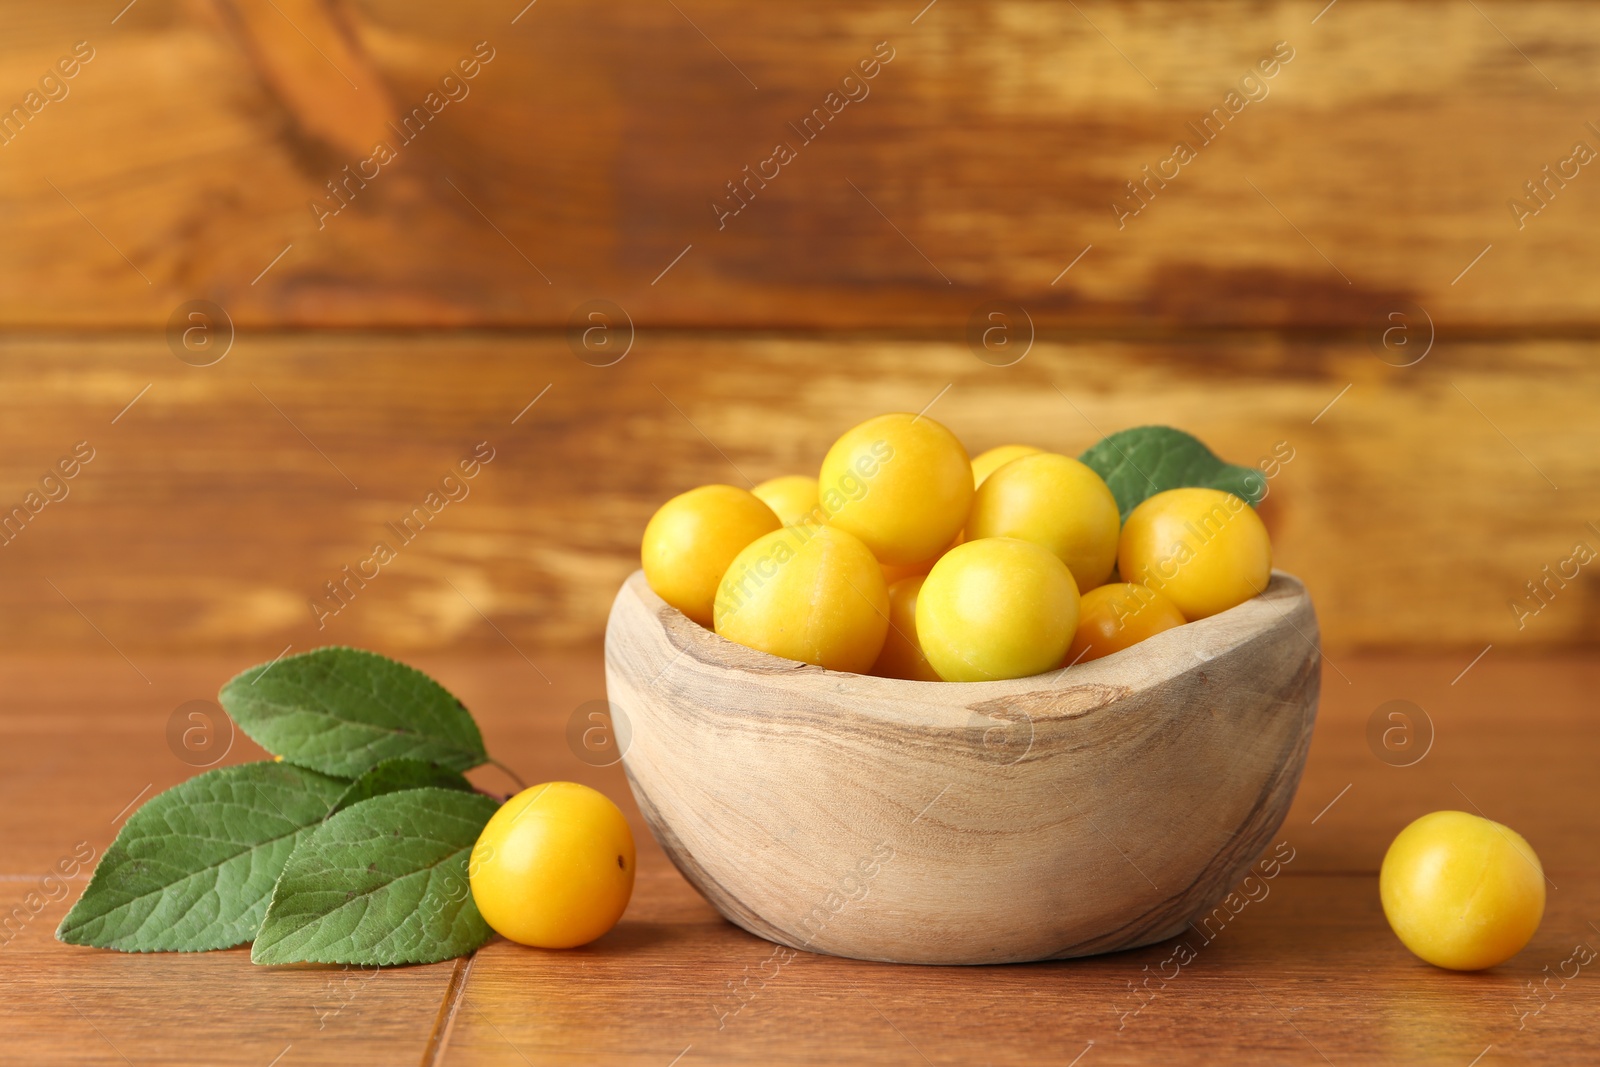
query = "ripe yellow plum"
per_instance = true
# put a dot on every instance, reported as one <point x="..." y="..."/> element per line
<point x="1204" y="549"/>
<point x="792" y="497"/>
<point x="901" y="483"/>
<point x="553" y="868"/>
<point x="1115" y="616"/>
<point x="986" y="463"/>
<point x="902" y="653"/>
<point x="1053" y="501"/>
<point x="996" y="608"/>
<point x="810" y="593"/>
<point x="692" y="538"/>
<point x="1460" y="891"/>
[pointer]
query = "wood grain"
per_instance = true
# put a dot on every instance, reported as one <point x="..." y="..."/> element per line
<point x="1310" y="970"/>
<point x="78" y="740"/>
<point x="184" y="161"/>
<point x="881" y="819"/>
<point x="986" y="155"/>
<point x="1415" y="507"/>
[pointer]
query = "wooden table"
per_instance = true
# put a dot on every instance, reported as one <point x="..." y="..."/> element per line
<point x="1275" y="295"/>
<point x="1306" y="973"/>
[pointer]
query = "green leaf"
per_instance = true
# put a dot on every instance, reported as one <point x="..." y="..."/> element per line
<point x="393" y="775"/>
<point x="194" y="867"/>
<point x="1146" y="460"/>
<point x="382" y="883"/>
<point x="343" y="711"/>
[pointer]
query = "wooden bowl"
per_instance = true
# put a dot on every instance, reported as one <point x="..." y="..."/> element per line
<point x="1096" y="808"/>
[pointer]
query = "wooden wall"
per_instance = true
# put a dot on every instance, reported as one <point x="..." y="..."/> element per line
<point x="1370" y="176"/>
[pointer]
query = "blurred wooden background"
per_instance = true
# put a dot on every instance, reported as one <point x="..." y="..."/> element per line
<point x="1364" y="186"/>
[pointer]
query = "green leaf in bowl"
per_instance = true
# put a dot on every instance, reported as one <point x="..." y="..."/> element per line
<point x="381" y="883"/>
<point x="343" y="711"/>
<point x="1140" y="462"/>
<point x="194" y="867"/>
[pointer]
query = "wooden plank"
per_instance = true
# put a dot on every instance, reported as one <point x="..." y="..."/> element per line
<point x="986" y="155"/>
<point x="220" y="504"/>
<point x="68" y="1005"/>
<point x="1308" y="969"/>
<point x="1312" y="954"/>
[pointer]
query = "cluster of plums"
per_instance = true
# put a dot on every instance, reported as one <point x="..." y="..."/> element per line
<point x="907" y="559"/>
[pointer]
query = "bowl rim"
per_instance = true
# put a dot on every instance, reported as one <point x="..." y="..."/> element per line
<point x="1180" y="650"/>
